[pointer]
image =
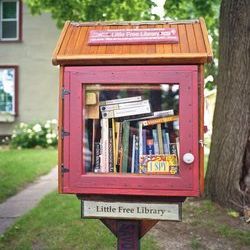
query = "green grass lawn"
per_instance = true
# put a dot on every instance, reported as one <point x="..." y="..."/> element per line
<point x="19" y="167"/>
<point x="55" y="224"/>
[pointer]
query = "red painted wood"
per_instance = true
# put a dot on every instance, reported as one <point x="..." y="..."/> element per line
<point x="128" y="235"/>
<point x="66" y="127"/>
<point x="186" y="184"/>
<point x="133" y="36"/>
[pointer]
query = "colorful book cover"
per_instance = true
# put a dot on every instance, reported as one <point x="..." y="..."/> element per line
<point x="159" y="164"/>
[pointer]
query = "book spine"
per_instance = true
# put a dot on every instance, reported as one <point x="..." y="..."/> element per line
<point x="120" y="149"/>
<point x="110" y="155"/>
<point x="127" y="105"/>
<point x="137" y="154"/>
<point x="104" y="145"/>
<point x="97" y="157"/>
<point x="160" y="120"/>
<point x="140" y="139"/>
<point x="155" y="139"/>
<point x="159" y="135"/>
<point x="133" y="155"/>
<point x="150" y="147"/>
<point x="145" y="109"/>
<point x="173" y="149"/>
<point x="121" y="100"/>
<point x="144" y="140"/>
<point x="125" y="143"/>
<point x="166" y="142"/>
<point x="113" y="144"/>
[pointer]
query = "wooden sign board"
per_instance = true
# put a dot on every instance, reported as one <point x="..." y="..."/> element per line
<point x="131" y="210"/>
<point x="133" y="36"/>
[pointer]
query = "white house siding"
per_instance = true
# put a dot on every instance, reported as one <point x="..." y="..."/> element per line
<point x="38" y="79"/>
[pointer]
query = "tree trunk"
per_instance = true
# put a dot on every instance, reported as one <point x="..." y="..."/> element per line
<point x="228" y="173"/>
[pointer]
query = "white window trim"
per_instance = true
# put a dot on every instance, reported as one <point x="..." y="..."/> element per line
<point x="17" y="19"/>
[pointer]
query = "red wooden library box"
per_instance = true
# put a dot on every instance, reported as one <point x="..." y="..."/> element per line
<point x="131" y="108"/>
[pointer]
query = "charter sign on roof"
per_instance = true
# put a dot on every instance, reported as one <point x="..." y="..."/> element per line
<point x="133" y="36"/>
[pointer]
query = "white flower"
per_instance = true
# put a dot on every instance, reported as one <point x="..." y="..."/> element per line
<point x="54" y="121"/>
<point x="29" y="131"/>
<point x="48" y="136"/>
<point x="37" y="128"/>
<point x="209" y="78"/>
<point x="47" y="124"/>
<point x="53" y="135"/>
<point x="23" y="125"/>
<point x="49" y="141"/>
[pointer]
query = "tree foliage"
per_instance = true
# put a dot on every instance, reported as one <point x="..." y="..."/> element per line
<point x="93" y="10"/>
<point x="193" y="9"/>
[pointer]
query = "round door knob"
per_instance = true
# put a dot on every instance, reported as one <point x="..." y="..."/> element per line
<point x="188" y="158"/>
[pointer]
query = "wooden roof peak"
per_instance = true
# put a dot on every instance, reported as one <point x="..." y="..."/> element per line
<point x="73" y="48"/>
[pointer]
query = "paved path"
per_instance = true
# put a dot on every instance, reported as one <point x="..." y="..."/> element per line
<point x="16" y="206"/>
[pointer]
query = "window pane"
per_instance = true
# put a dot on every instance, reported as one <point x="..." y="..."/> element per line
<point x="9" y="10"/>
<point x="132" y="129"/>
<point x="9" y="29"/>
<point x="7" y="90"/>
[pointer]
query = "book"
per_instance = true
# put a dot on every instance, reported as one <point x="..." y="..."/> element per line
<point x="104" y="146"/>
<point x="158" y="164"/>
<point x="126" y="105"/>
<point x="121" y="100"/>
<point x="166" y="142"/>
<point x="150" y="147"/>
<point x="156" y="142"/>
<point x="110" y="152"/>
<point x="97" y="157"/>
<point x="160" y="120"/>
<point x="136" y="154"/>
<point x="143" y="109"/>
<point x="133" y="154"/>
<point x="159" y="136"/>
<point x="125" y="145"/>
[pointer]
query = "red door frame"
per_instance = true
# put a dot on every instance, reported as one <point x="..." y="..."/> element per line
<point x="75" y="181"/>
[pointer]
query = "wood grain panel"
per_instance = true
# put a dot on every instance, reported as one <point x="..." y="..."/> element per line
<point x="79" y="43"/>
<point x="191" y="39"/>
<point x="159" y="47"/>
<point x="176" y="46"/>
<point x="167" y="47"/>
<point x="183" y="38"/>
<point x="73" y="41"/>
<point x="65" y="41"/>
<point x="199" y="38"/>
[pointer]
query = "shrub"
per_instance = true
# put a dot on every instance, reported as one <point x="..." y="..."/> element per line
<point x="33" y="135"/>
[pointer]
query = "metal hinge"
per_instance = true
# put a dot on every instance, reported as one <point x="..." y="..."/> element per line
<point x="64" y="133"/>
<point x="64" y="169"/>
<point x="65" y="92"/>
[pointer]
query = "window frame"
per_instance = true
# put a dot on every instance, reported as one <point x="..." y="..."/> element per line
<point x="16" y="77"/>
<point x="18" y="20"/>
<point x="75" y="181"/>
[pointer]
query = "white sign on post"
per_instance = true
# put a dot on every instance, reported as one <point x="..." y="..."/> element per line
<point x="131" y="210"/>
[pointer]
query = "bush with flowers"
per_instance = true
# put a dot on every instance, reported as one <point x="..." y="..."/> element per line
<point x="33" y="135"/>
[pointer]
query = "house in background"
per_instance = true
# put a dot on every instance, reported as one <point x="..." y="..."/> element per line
<point x="28" y="81"/>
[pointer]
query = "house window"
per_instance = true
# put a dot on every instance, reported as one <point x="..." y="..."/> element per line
<point x="8" y="90"/>
<point x="10" y="20"/>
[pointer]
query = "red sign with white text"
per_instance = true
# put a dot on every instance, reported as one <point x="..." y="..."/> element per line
<point x="133" y="36"/>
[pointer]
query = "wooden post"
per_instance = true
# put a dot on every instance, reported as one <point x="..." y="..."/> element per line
<point x="128" y="235"/>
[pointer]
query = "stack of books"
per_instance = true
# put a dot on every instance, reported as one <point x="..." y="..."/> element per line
<point x="130" y="138"/>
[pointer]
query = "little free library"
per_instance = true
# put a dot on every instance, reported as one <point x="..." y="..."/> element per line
<point x="131" y="118"/>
